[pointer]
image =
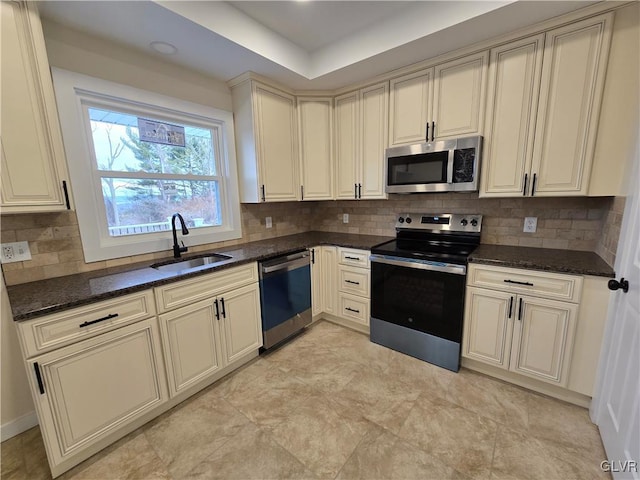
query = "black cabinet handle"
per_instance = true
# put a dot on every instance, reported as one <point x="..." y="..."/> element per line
<point x="224" y="312"/>
<point x="65" y="190"/>
<point x="36" y="367"/>
<point x="351" y="258"/>
<point x="352" y="282"/>
<point x="528" y="284"/>
<point x="510" y="307"/>
<point x="302" y="192"/>
<point x="215" y="302"/>
<point x="359" y="190"/>
<point x="533" y="184"/>
<point x="520" y="310"/>
<point x="426" y="135"/>
<point x="355" y="190"/>
<point x="313" y="255"/>
<point x="433" y="131"/>
<point x="352" y="310"/>
<point x="526" y="181"/>
<point x="108" y="317"/>
<point x="264" y="198"/>
<point x="615" y="285"/>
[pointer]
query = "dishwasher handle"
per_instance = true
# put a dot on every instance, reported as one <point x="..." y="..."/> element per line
<point x="288" y="263"/>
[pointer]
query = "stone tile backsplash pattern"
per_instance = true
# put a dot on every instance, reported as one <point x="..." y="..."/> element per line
<point x="580" y="223"/>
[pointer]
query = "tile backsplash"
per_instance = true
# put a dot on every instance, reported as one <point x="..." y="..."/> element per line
<point x="578" y="223"/>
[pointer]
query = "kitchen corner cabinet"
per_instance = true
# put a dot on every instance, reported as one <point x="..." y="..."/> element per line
<point x="316" y="281"/>
<point x="543" y="109"/>
<point x="448" y="98"/>
<point x="33" y="165"/>
<point x="266" y="143"/>
<point x="361" y="120"/>
<point x="217" y="323"/>
<point x="522" y="321"/>
<point x="315" y="131"/>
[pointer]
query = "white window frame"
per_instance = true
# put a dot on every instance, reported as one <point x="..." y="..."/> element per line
<point x="74" y="93"/>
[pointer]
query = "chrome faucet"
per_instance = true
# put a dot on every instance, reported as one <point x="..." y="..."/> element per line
<point x="177" y="249"/>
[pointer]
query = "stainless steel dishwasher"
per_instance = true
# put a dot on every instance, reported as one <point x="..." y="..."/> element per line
<point x="285" y="296"/>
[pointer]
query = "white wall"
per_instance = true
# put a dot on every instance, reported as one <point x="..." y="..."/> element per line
<point x="16" y="406"/>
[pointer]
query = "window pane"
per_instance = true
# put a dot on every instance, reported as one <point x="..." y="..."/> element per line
<point x="136" y="206"/>
<point x="117" y="146"/>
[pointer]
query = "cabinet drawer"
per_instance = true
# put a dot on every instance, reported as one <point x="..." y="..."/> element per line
<point x="354" y="308"/>
<point x="354" y="280"/>
<point x="355" y="258"/>
<point x="54" y="331"/>
<point x="189" y="291"/>
<point x="530" y="282"/>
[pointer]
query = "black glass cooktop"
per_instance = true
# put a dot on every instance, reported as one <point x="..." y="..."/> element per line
<point x="437" y="251"/>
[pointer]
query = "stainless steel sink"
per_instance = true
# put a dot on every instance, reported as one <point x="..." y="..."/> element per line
<point x="198" y="263"/>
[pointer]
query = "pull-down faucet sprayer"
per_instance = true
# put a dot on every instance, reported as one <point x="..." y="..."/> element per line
<point x="177" y="249"/>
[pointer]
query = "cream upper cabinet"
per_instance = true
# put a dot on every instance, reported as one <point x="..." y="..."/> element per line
<point x="266" y="143"/>
<point x="360" y="134"/>
<point x="573" y="74"/>
<point x="440" y="102"/>
<point x="315" y="131"/>
<point x="542" y="111"/>
<point x="34" y="171"/>
<point x="512" y="99"/>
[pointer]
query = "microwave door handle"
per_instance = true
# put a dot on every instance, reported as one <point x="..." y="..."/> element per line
<point x="450" y="166"/>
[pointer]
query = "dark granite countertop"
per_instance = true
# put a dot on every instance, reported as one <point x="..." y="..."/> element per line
<point x="34" y="299"/>
<point x="547" y="259"/>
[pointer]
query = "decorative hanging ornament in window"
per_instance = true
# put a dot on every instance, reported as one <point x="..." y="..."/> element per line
<point x="158" y="132"/>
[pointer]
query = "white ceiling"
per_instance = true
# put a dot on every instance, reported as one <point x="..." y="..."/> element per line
<point x="303" y="44"/>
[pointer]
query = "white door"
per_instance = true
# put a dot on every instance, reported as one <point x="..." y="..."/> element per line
<point x="616" y="403"/>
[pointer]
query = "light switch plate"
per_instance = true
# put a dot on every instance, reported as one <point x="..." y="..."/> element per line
<point x="530" y="224"/>
<point x="15" y="252"/>
<point x="268" y="222"/>
<point x="345" y="218"/>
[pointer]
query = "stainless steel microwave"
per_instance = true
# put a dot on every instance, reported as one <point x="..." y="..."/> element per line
<point x="441" y="166"/>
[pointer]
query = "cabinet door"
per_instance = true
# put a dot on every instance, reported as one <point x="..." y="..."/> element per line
<point x="514" y="80"/>
<point x="316" y="281"/>
<point x="315" y="122"/>
<point x="191" y="345"/>
<point x="276" y="143"/>
<point x="241" y="320"/>
<point x="347" y="145"/>
<point x="458" y="96"/>
<point x="330" y="280"/>
<point x="410" y="107"/>
<point x="543" y="335"/>
<point x="93" y="387"/>
<point x="488" y="326"/>
<point x="32" y="157"/>
<point x="374" y="112"/>
<point x="573" y="71"/>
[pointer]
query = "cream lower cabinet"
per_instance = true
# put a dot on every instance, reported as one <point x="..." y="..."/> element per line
<point x="440" y="102"/>
<point x="34" y="171"/>
<point x="316" y="281"/>
<point x="360" y="125"/>
<point x="89" y="390"/>
<point x="221" y="326"/>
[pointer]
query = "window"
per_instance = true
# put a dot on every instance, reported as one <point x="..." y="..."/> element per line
<point x="136" y="158"/>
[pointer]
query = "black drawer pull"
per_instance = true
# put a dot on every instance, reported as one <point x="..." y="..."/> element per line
<point x="352" y="258"/>
<point x="352" y="310"/>
<point x="352" y="282"/>
<point x="528" y="284"/>
<point x="36" y="367"/>
<point x="108" y="317"/>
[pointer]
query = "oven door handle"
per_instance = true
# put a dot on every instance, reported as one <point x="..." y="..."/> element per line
<point x="420" y="264"/>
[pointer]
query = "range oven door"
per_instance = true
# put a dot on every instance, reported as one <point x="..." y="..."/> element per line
<point x="417" y="308"/>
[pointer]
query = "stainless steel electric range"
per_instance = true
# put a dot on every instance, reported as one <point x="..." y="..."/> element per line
<point x="418" y="286"/>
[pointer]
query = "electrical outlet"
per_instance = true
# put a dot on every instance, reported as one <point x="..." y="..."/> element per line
<point x="15" y="252"/>
<point x="530" y="224"/>
<point x="268" y="222"/>
<point x="345" y="218"/>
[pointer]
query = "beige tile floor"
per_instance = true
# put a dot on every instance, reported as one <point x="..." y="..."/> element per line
<point x="330" y="404"/>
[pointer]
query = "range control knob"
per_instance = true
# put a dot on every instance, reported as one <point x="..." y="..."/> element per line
<point x="464" y="222"/>
<point x="474" y="222"/>
<point x="408" y="220"/>
<point x="401" y="220"/>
